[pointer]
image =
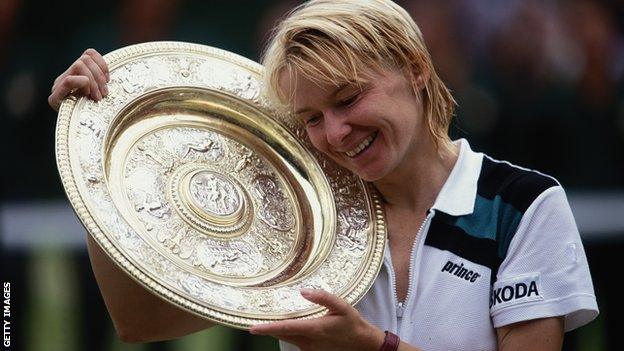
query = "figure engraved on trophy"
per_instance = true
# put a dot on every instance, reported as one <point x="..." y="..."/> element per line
<point x="214" y="193"/>
<point x="244" y="161"/>
<point x="176" y="245"/>
<point x="136" y="76"/>
<point x="228" y="257"/>
<point x="168" y="166"/>
<point x="184" y="67"/>
<point x="263" y="301"/>
<point x="275" y="246"/>
<point x="274" y="206"/>
<point x="202" y="147"/>
<point x="233" y="258"/>
<point x="340" y="267"/>
<point x="246" y="86"/>
<point x="354" y="222"/>
<point x="142" y="75"/>
<point x="151" y="205"/>
<point x="90" y="125"/>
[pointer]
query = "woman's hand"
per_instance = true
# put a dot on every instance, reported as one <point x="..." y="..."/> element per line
<point x="87" y="76"/>
<point x="342" y="328"/>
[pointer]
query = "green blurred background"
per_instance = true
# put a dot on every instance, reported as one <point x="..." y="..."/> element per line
<point x="539" y="83"/>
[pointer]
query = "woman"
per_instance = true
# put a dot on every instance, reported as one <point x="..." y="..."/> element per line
<point x="482" y="254"/>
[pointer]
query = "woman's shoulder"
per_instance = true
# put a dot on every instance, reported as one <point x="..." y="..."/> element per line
<point x="516" y="185"/>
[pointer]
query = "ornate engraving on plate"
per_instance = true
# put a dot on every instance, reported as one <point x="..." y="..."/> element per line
<point x="354" y="221"/>
<point x="215" y="193"/>
<point x="274" y="209"/>
<point x="210" y="201"/>
<point x="206" y="211"/>
<point x="199" y="214"/>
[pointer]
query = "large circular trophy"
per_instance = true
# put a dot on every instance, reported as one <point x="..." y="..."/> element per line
<point x="208" y="196"/>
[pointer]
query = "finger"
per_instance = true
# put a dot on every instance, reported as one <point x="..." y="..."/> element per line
<point x="72" y="70"/>
<point x="59" y="78"/>
<point x="97" y="73"/>
<point x="99" y="60"/>
<point x="96" y="57"/>
<point x="82" y="69"/>
<point x="65" y="86"/>
<point x="333" y="303"/>
<point x="286" y="328"/>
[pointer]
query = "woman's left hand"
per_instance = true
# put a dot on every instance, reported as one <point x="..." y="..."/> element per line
<point x="342" y="328"/>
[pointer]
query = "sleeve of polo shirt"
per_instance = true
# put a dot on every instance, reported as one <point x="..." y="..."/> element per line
<point x="545" y="271"/>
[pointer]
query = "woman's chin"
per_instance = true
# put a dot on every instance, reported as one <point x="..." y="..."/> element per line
<point x="369" y="175"/>
<point x="368" y="172"/>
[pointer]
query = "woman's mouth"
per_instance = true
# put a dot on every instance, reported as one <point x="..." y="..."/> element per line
<point x="364" y="145"/>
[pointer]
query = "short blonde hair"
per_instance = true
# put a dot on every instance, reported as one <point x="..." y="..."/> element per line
<point x="336" y="41"/>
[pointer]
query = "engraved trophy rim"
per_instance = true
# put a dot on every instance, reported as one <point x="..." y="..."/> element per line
<point x="269" y="216"/>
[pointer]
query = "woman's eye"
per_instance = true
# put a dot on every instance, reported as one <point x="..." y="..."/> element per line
<point x="349" y="101"/>
<point x="312" y="120"/>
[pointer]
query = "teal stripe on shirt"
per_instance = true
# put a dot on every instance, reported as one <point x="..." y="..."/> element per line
<point x="492" y="219"/>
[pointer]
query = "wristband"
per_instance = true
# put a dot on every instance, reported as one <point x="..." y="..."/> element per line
<point x="391" y="342"/>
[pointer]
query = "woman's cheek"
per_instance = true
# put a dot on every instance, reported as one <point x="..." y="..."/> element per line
<point x="316" y="140"/>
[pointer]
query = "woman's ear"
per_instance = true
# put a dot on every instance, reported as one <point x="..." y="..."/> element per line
<point x="420" y="76"/>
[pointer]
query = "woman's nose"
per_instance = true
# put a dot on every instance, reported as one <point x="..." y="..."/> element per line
<point x="336" y="128"/>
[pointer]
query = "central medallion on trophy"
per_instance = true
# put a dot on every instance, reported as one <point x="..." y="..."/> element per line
<point x="209" y="200"/>
<point x="216" y="194"/>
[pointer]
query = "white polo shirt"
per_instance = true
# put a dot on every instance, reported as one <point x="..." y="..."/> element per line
<point x="499" y="246"/>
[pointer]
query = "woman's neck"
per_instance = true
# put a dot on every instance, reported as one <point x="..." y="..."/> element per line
<point x="415" y="184"/>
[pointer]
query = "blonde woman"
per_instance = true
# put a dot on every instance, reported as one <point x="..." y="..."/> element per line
<point x="482" y="254"/>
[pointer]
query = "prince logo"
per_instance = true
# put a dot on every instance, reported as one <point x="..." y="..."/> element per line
<point x="460" y="271"/>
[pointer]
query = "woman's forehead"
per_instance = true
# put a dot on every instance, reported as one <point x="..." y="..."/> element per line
<point x="294" y="82"/>
<point x="306" y="95"/>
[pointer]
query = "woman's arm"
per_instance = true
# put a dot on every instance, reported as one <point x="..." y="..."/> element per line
<point x="538" y="334"/>
<point x="137" y="314"/>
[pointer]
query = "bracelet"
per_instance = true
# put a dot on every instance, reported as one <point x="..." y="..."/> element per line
<point x="391" y="342"/>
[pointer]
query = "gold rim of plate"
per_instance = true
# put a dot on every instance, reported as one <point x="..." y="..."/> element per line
<point x="209" y="196"/>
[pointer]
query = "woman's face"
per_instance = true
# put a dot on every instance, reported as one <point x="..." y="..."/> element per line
<point x="369" y="131"/>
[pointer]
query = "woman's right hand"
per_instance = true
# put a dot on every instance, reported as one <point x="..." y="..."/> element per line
<point x="87" y="76"/>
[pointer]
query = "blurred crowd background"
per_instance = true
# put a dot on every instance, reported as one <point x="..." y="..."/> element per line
<point x="538" y="83"/>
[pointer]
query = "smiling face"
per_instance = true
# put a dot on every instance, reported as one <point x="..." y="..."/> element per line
<point x="370" y="129"/>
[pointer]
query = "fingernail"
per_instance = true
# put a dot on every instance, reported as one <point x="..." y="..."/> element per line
<point x="305" y="292"/>
<point x="107" y="77"/>
<point x="105" y="90"/>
